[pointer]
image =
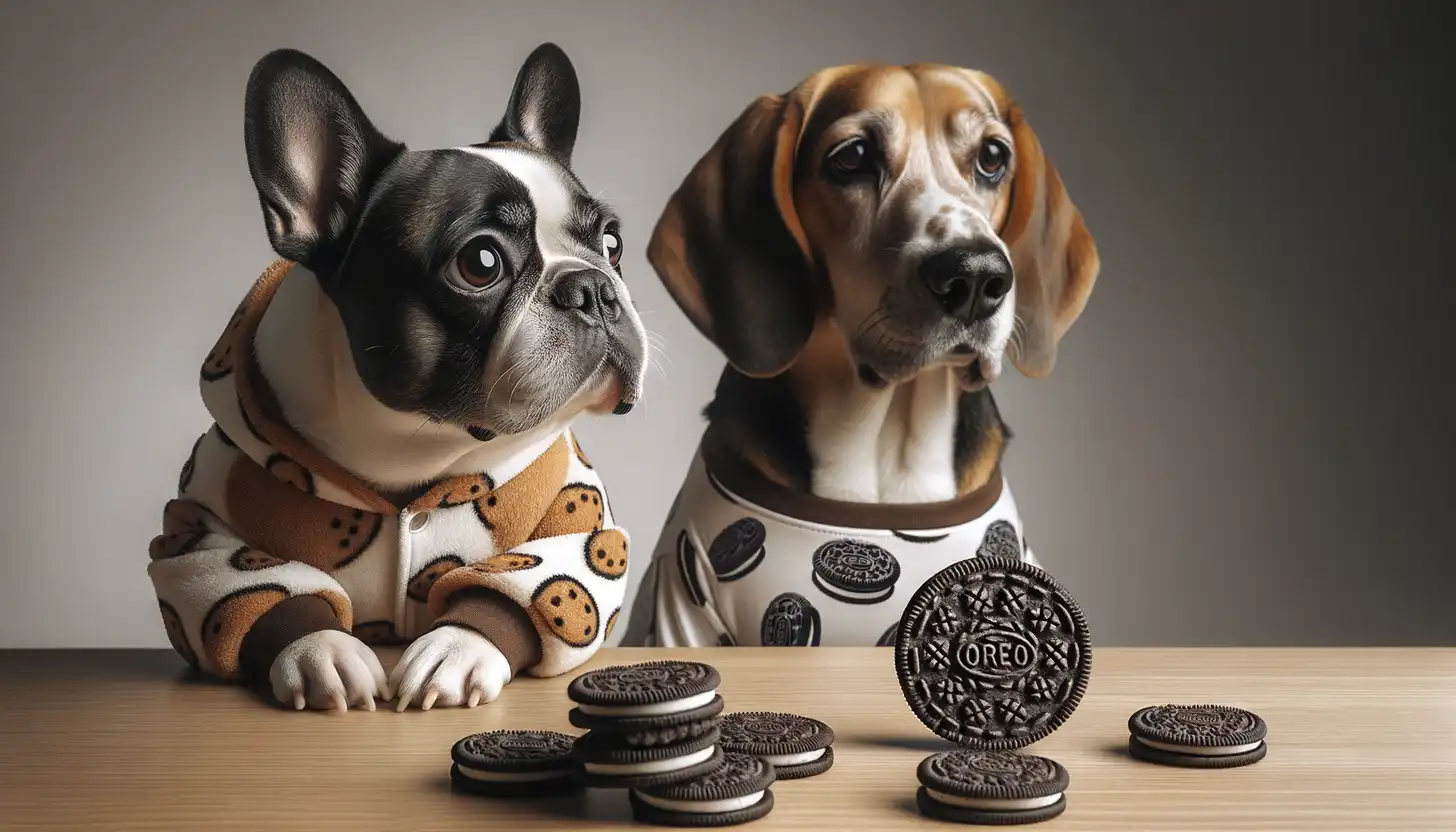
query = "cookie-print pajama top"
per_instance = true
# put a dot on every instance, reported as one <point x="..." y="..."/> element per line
<point x="269" y="540"/>
<point x="742" y="561"/>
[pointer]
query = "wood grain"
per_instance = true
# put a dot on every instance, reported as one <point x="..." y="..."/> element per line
<point x="1360" y="739"/>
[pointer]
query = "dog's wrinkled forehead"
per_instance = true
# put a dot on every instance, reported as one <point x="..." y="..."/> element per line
<point x="568" y="222"/>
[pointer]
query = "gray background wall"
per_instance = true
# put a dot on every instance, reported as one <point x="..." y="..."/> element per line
<point x="1247" y="438"/>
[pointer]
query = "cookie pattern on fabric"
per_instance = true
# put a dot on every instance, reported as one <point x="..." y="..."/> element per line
<point x="790" y="621"/>
<point x="687" y="569"/>
<point x="568" y="610"/>
<point x="230" y="620"/>
<point x="611" y="623"/>
<point x="606" y="553"/>
<point x="738" y="549"/>
<point x="577" y="509"/>
<point x="248" y="559"/>
<point x="177" y="634"/>
<point x="855" y="572"/>
<point x="508" y="562"/>
<point x="457" y="491"/>
<point x="514" y="511"/>
<point x="423" y="580"/>
<point x="294" y="525"/>
<point x="184" y="526"/>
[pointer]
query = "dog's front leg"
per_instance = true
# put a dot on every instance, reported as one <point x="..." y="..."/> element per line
<point x="451" y="666"/>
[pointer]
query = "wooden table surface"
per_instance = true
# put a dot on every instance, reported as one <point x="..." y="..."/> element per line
<point x="1359" y="740"/>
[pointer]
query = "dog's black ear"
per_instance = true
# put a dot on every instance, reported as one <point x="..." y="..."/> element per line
<point x="313" y="155"/>
<point x="730" y="248"/>
<point x="545" y="106"/>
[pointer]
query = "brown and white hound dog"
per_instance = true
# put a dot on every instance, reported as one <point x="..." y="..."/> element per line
<point x="867" y="250"/>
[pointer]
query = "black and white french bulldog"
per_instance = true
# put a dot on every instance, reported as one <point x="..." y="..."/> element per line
<point x="448" y="313"/>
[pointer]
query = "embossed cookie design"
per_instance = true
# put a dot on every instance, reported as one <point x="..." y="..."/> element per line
<point x="176" y="634"/>
<point x="419" y="585"/>
<point x="568" y="610"/>
<point x="291" y="472"/>
<point x="248" y="559"/>
<point x="230" y="620"/>
<point x="184" y="525"/>
<point x="576" y="510"/>
<point x="219" y="361"/>
<point x="606" y="553"/>
<point x="993" y="654"/>
<point x="375" y="633"/>
<point x="1000" y="541"/>
<point x="508" y="562"/>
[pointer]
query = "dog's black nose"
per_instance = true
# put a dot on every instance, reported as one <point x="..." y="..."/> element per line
<point x="968" y="281"/>
<point x="590" y="294"/>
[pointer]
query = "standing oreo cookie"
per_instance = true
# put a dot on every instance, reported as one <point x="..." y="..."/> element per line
<point x="736" y="792"/>
<point x="790" y="621"/>
<point x="995" y="788"/>
<point x="993" y="654"/>
<point x="855" y="572"/>
<point x="737" y="550"/>
<point x="1197" y="736"/>
<point x="796" y="745"/>
<point x="512" y="763"/>
<point x="1000" y="541"/>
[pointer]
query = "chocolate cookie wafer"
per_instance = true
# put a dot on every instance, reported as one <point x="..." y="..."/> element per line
<point x="797" y="746"/>
<point x="513" y="763"/>
<point x="651" y="730"/>
<point x="736" y="792"/>
<point x="1197" y="736"/>
<point x="993" y="653"/>
<point x="996" y="788"/>
<point x="602" y="763"/>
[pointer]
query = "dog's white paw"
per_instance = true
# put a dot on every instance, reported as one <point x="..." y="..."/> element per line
<point x="449" y="666"/>
<point x="327" y="670"/>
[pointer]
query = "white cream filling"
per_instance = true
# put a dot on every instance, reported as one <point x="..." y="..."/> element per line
<point x="854" y="593"/>
<point x="675" y="706"/>
<point x="702" y="807"/>
<point x="651" y="766"/>
<point x="794" y="759"/>
<point x="994" y="804"/>
<point x="511" y="776"/>
<point x="1201" y="750"/>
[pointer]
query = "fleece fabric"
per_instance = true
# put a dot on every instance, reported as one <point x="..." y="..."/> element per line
<point x="269" y="540"/>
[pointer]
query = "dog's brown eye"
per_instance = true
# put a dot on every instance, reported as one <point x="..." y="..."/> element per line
<point x="851" y="157"/>
<point x="612" y="245"/>
<point x="991" y="161"/>
<point x="479" y="264"/>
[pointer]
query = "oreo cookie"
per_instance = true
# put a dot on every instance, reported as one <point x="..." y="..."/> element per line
<point x="650" y="689"/>
<point x="790" y="621"/>
<point x="601" y="763"/>
<point x="797" y="746"/>
<point x="1197" y="736"/>
<point x="993" y="654"/>
<point x="1000" y="541"/>
<point x="648" y="731"/>
<point x="736" y="792"/>
<point x="855" y="572"/>
<point x="687" y="566"/>
<point x="996" y="788"/>
<point x="513" y="763"/>
<point x="737" y="550"/>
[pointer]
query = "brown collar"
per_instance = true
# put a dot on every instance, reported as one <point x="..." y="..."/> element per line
<point x="729" y="470"/>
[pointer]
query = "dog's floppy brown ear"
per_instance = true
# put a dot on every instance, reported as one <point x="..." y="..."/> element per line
<point x="729" y="245"/>
<point x="1052" y="252"/>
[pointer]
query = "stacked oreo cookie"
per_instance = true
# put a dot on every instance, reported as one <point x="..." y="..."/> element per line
<point x="648" y="724"/>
